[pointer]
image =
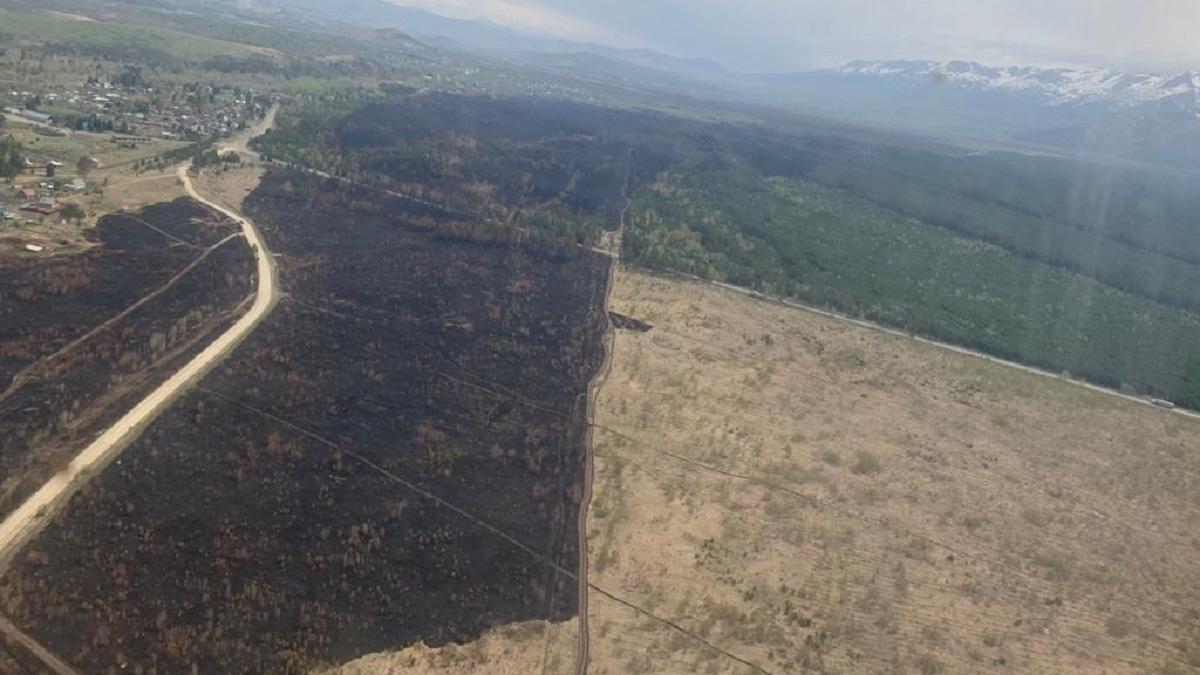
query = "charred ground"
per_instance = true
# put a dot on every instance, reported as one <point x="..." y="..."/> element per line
<point x="916" y="236"/>
<point x="395" y="455"/>
<point x="75" y="345"/>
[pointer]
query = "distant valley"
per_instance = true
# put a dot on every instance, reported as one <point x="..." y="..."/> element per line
<point x="1147" y="117"/>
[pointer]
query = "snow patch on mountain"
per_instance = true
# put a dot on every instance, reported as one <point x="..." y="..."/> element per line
<point x="1055" y="86"/>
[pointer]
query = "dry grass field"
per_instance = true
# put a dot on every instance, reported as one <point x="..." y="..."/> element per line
<point x="796" y="494"/>
<point x="518" y="649"/>
<point x="229" y="185"/>
<point x="69" y="148"/>
<point x="813" y="496"/>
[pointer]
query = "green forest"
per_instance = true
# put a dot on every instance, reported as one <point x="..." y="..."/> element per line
<point x="1074" y="267"/>
<point x="1136" y="232"/>
<point x="796" y="238"/>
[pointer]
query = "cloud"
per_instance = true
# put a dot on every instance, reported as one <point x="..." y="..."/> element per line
<point x="528" y="16"/>
<point x="790" y="34"/>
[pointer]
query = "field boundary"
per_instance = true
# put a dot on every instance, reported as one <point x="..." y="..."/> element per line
<point x="609" y="343"/>
<point x="948" y="346"/>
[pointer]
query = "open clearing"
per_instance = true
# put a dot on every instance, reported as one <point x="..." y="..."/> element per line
<point x="69" y="148"/>
<point x="895" y="508"/>
<point x="808" y="495"/>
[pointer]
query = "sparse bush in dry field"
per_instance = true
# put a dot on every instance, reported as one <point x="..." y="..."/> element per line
<point x="927" y="665"/>
<point x="831" y="457"/>
<point x="1118" y="627"/>
<point x="917" y="549"/>
<point x="1056" y="568"/>
<point x="900" y="580"/>
<point x="866" y="463"/>
<point x="1035" y="517"/>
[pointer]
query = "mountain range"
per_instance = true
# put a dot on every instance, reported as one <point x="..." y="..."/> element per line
<point x="1054" y="86"/>
<point x="1142" y="116"/>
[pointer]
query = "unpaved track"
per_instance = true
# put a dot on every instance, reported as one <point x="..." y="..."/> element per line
<point x="613" y="250"/>
<point x="24" y="523"/>
<point x="241" y="142"/>
<point x="20" y="378"/>
<point x="55" y="665"/>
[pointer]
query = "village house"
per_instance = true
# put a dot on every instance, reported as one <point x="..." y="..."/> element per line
<point x="34" y="116"/>
<point x="45" y="206"/>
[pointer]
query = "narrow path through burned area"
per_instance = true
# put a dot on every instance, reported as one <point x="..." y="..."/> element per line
<point x="27" y="520"/>
<point x="86" y="336"/>
<point x="341" y="483"/>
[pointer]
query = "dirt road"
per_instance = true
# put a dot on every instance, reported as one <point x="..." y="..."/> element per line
<point x="611" y="246"/>
<point x="14" y="635"/>
<point x="240" y="142"/>
<point x="24" y="523"/>
<point x="17" y="119"/>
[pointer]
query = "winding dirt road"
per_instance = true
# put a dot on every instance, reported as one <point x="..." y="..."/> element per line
<point x="24" y="523"/>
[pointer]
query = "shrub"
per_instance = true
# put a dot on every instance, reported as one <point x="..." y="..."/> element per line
<point x="867" y="463"/>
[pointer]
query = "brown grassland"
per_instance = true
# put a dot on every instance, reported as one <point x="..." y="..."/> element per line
<point x="900" y="508"/>
<point x="812" y="496"/>
<point x="516" y="649"/>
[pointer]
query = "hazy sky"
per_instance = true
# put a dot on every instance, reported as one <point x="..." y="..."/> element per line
<point x="791" y="34"/>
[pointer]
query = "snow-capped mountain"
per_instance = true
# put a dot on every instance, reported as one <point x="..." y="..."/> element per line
<point x="1096" y="111"/>
<point x="1054" y="86"/>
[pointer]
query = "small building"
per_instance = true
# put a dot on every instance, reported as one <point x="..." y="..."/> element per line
<point x="44" y="207"/>
<point x="35" y="116"/>
<point x="27" y="193"/>
<point x="77" y="184"/>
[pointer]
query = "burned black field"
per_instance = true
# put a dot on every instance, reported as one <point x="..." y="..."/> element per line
<point x="76" y="345"/>
<point x="393" y="456"/>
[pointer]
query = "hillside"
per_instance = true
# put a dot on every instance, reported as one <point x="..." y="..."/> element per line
<point x="563" y="357"/>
